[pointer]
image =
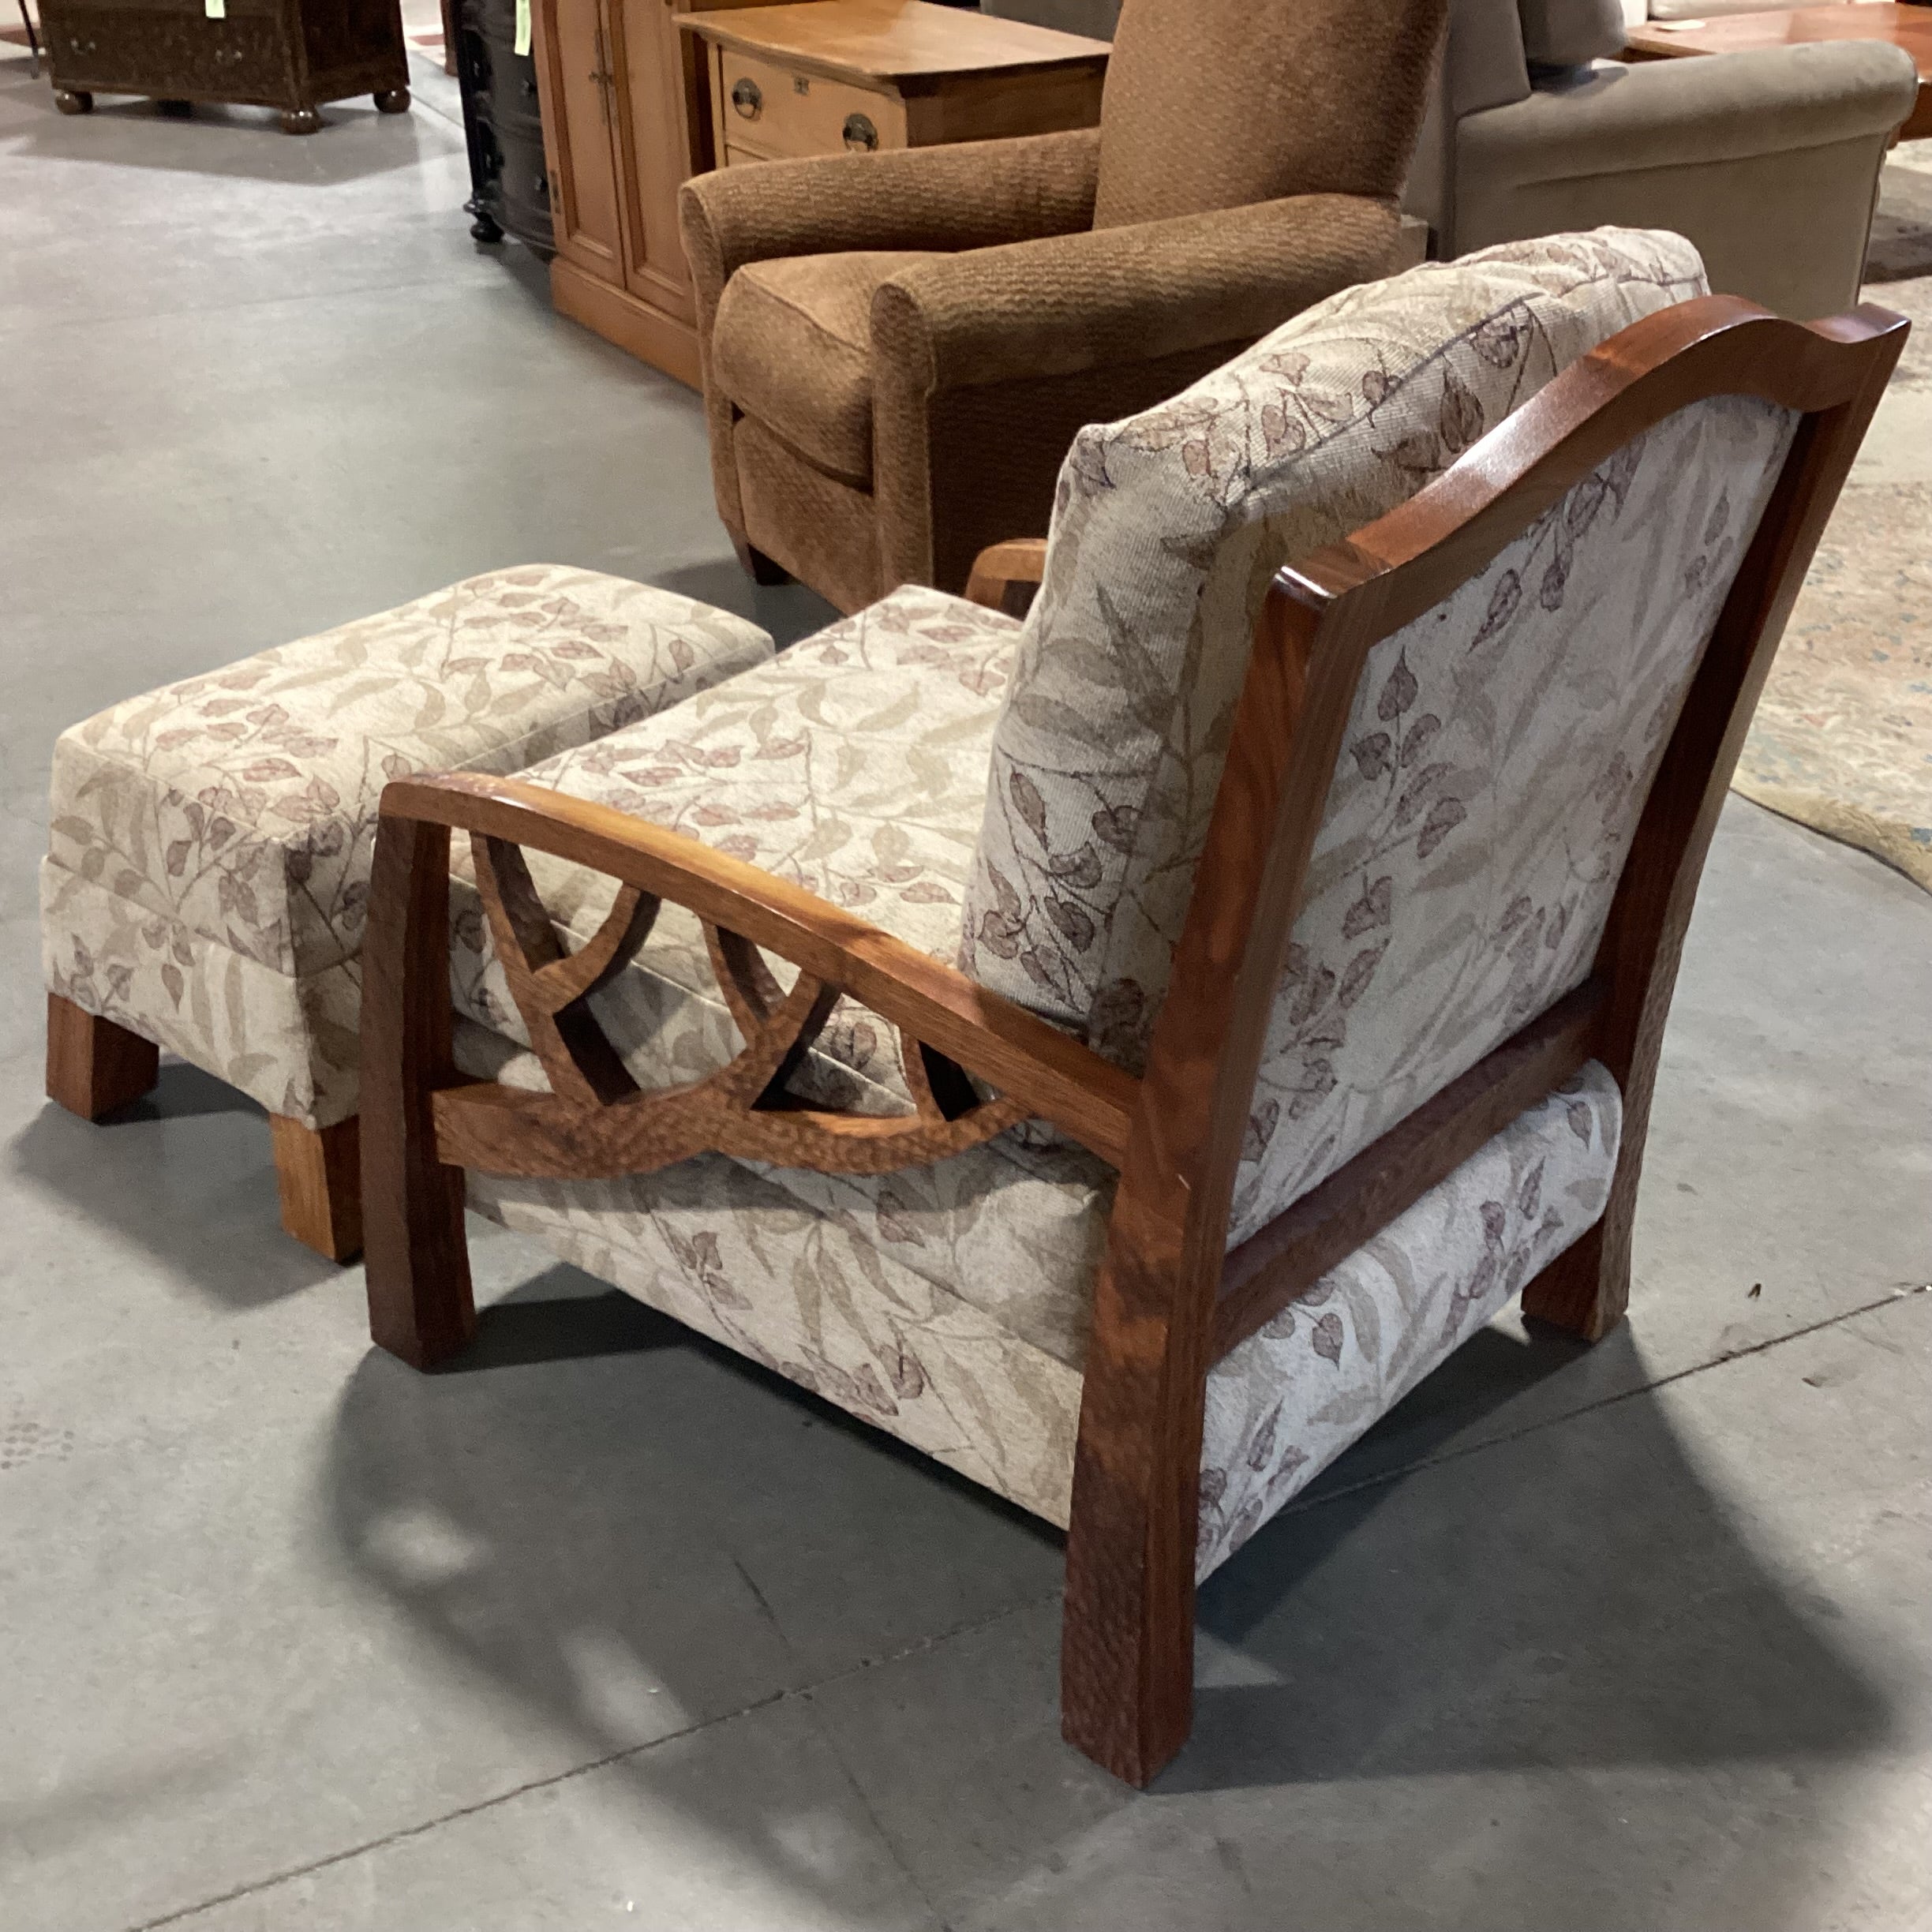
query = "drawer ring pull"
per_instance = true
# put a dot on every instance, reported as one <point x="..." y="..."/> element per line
<point x="748" y="98"/>
<point x="861" y="135"/>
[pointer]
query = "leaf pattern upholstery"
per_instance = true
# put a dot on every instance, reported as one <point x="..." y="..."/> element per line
<point x="1498" y="756"/>
<point x="207" y="876"/>
<point x="1046" y="789"/>
<point x="1167" y="529"/>
<point x="853" y="764"/>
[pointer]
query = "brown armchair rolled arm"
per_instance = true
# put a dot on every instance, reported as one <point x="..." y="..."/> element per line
<point x="986" y="365"/>
<point x="1111" y="296"/>
<point x="969" y="195"/>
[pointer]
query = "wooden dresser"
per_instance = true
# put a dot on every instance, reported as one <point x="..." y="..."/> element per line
<point x="293" y="54"/>
<point x="815" y="79"/>
<point x="632" y="108"/>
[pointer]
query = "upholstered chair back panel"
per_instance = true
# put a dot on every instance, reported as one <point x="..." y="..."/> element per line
<point x="1219" y="103"/>
<point x="1169" y="527"/>
<point x="1497" y="759"/>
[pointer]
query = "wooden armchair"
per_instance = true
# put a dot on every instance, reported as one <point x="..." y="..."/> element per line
<point x="1398" y="1063"/>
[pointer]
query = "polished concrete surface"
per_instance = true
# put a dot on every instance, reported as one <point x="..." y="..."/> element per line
<point x="608" y="1628"/>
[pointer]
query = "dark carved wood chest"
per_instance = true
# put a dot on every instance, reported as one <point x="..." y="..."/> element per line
<point x="293" y="54"/>
<point x="503" y="119"/>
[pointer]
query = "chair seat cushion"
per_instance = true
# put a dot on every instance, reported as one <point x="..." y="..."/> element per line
<point x="950" y="1303"/>
<point x="844" y="1298"/>
<point x="853" y="764"/>
<point x="792" y="347"/>
<point x="208" y="857"/>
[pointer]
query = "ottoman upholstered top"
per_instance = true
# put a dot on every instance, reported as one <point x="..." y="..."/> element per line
<point x="209" y="846"/>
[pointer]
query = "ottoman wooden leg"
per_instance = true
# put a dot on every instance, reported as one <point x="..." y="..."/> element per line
<point x="321" y="1171"/>
<point x="94" y="1066"/>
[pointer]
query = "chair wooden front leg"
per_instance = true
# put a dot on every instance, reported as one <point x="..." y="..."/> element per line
<point x="319" y="1170"/>
<point x="416" y="1256"/>
<point x="93" y="1066"/>
<point x="1127" y="1633"/>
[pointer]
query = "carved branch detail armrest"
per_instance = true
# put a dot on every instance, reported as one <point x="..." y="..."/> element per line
<point x="597" y="1122"/>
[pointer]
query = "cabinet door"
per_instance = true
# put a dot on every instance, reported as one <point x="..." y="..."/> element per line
<point x="655" y="144"/>
<point x="577" y="68"/>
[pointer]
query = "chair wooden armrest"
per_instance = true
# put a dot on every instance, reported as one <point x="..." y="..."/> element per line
<point x="1000" y="566"/>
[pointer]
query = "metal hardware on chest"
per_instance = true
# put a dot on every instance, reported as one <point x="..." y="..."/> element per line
<point x="860" y="134"/>
<point x="748" y="98"/>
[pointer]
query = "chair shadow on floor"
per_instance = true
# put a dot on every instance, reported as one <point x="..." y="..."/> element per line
<point x="789" y="611"/>
<point x="1572" y="1600"/>
<point x="186" y="1173"/>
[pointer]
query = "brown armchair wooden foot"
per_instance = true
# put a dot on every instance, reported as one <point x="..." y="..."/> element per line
<point x="760" y="569"/>
<point x="94" y="1068"/>
<point x="320" y="1173"/>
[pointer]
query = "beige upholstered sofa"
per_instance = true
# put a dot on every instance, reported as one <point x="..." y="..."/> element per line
<point x="1768" y="161"/>
<point x="898" y="348"/>
<point x="1208" y="1001"/>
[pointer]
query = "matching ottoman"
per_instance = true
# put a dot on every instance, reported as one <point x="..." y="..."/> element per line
<point x="208" y="854"/>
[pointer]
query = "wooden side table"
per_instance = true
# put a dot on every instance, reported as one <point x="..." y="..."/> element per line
<point x="833" y="75"/>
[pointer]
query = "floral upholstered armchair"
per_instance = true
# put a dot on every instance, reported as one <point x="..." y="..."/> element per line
<point x="1121" y="1053"/>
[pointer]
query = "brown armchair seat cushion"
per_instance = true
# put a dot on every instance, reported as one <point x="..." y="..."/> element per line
<point x="792" y="347"/>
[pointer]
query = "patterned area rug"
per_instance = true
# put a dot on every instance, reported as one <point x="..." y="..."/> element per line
<point x="1842" y="740"/>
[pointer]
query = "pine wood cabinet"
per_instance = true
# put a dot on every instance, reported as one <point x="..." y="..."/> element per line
<point x="627" y="121"/>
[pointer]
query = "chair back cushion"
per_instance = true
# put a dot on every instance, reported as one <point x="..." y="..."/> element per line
<point x="1218" y="104"/>
<point x="1571" y="33"/>
<point x="1167" y="529"/>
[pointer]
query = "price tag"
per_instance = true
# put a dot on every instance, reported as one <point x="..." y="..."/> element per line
<point x="215" y="9"/>
<point x="522" y="26"/>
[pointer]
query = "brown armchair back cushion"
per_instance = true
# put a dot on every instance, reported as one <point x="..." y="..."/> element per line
<point x="1220" y="103"/>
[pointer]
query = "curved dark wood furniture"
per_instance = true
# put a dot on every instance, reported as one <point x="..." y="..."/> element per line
<point x="1170" y="1298"/>
<point x="292" y="55"/>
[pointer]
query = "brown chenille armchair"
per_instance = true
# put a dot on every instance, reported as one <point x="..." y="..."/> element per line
<point x="898" y="347"/>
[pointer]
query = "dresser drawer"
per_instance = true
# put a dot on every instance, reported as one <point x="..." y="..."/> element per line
<point x="773" y="110"/>
<point x="151" y="49"/>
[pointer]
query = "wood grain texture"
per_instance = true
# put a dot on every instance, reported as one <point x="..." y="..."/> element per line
<point x="1053" y="1076"/>
<point x="416" y="1257"/>
<point x="909" y="43"/>
<point x="1126" y="1645"/>
<point x="627" y="121"/>
<point x="999" y="567"/>
<point x="95" y="1068"/>
<point x="319" y="1173"/>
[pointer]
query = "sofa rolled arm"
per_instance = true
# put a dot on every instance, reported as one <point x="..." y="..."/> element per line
<point x="967" y="195"/>
<point x="1676" y="114"/>
<point x="1105" y="297"/>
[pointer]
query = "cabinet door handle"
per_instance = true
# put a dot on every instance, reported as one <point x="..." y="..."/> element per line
<point x="748" y="98"/>
<point x="603" y="77"/>
<point x="860" y="134"/>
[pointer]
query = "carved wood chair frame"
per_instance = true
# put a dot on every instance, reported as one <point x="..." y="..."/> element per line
<point x="1170" y="1298"/>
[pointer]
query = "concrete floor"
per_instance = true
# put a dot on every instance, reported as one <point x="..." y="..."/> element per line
<point x="611" y="1629"/>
